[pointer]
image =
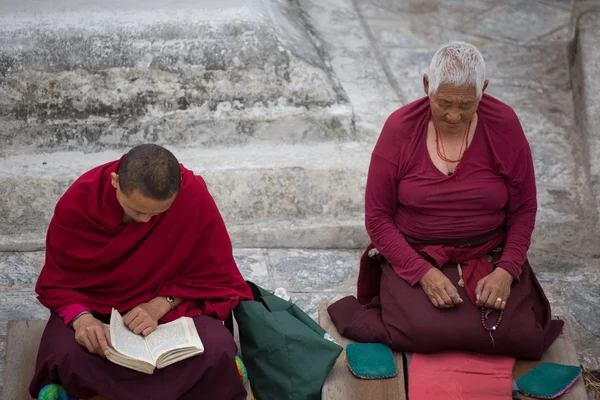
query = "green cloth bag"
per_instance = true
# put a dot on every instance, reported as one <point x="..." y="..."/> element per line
<point x="288" y="355"/>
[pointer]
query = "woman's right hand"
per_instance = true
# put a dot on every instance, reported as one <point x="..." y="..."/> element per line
<point x="92" y="334"/>
<point x="439" y="289"/>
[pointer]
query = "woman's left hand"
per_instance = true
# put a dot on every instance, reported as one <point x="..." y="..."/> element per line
<point x="143" y="319"/>
<point x="493" y="290"/>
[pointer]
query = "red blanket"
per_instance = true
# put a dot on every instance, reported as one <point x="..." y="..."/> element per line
<point x="458" y="375"/>
<point x="96" y="260"/>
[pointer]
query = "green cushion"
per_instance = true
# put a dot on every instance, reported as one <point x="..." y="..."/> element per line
<point x="371" y="361"/>
<point x="548" y="380"/>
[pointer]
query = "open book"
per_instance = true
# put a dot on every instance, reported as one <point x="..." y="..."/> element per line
<point x="168" y="344"/>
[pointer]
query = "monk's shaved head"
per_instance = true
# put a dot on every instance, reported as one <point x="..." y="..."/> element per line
<point x="152" y="170"/>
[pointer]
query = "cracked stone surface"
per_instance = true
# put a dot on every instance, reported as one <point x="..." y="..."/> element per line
<point x="315" y="270"/>
<point x="521" y="22"/>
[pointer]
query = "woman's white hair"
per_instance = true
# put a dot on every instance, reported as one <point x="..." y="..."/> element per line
<point x="459" y="64"/>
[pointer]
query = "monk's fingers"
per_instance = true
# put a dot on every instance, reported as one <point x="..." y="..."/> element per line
<point x="433" y="300"/>
<point x="440" y="301"/>
<point x="504" y="296"/>
<point x="83" y="341"/>
<point x="107" y="335"/>
<point x="484" y="296"/>
<point x="494" y="300"/>
<point x="453" y="294"/>
<point x="134" y="323"/>
<point x="98" y="341"/>
<point x="87" y="337"/>
<point x="479" y="289"/>
<point x="146" y="322"/>
<point x="93" y="341"/>
<point x="131" y="315"/>
<point x="148" y="330"/>
<point x="141" y="327"/>
<point x="455" y="297"/>
<point x="87" y="343"/>
<point x="445" y="298"/>
<point x="102" y="341"/>
<point x="150" y="327"/>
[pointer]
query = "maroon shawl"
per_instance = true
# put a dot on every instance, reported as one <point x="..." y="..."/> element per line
<point x="95" y="260"/>
<point x="474" y="265"/>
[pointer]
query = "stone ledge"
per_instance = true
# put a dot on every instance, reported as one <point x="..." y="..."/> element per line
<point x="262" y="191"/>
<point x="115" y="73"/>
<point x="585" y="71"/>
<point x="230" y="124"/>
<point x="270" y="196"/>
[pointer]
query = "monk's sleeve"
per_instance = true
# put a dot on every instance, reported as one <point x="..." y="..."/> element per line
<point x="380" y="209"/>
<point x="211" y="280"/>
<point x="520" y="211"/>
<point x="51" y="287"/>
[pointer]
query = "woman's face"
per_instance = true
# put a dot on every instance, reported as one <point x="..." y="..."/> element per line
<point x="452" y="107"/>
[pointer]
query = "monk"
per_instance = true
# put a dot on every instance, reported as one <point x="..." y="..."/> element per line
<point x="450" y="210"/>
<point x="143" y="235"/>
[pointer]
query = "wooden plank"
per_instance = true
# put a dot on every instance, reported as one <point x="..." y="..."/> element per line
<point x="22" y="346"/>
<point x="342" y="385"/>
<point x="562" y="351"/>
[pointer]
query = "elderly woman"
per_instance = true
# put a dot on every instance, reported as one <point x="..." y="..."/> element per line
<point x="450" y="209"/>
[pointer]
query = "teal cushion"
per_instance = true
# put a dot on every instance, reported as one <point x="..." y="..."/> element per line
<point x="548" y="380"/>
<point x="371" y="361"/>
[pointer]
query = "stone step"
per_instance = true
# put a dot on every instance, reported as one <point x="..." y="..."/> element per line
<point x="275" y="196"/>
<point x="229" y="124"/>
<point x="84" y="76"/>
<point x="270" y="196"/>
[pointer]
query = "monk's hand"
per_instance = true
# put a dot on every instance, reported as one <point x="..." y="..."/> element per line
<point x="143" y="319"/>
<point x="92" y="334"/>
<point x="439" y="289"/>
<point x="493" y="290"/>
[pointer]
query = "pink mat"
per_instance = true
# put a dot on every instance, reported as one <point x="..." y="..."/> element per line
<point x="460" y="376"/>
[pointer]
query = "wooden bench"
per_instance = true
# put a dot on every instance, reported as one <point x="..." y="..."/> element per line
<point x="21" y="352"/>
<point x="342" y="385"/>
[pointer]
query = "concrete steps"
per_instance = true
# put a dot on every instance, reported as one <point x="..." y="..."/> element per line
<point x="79" y="110"/>
<point x="239" y="91"/>
<point x="89" y="77"/>
<point x="271" y="196"/>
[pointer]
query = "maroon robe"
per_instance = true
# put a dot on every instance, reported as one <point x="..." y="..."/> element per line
<point x="420" y="218"/>
<point x="94" y="261"/>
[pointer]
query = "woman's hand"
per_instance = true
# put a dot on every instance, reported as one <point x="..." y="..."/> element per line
<point x="143" y="319"/>
<point x="439" y="289"/>
<point x="493" y="290"/>
<point x="92" y="334"/>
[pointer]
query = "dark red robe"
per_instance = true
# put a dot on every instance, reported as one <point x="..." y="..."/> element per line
<point x="95" y="261"/>
<point x="420" y="218"/>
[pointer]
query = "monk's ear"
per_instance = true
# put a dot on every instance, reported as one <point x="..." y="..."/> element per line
<point x="426" y="84"/>
<point x="485" y="85"/>
<point x="114" y="180"/>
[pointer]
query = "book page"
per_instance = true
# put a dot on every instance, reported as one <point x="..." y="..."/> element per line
<point x="126" y="342"/>
<point x="174" y="335"/>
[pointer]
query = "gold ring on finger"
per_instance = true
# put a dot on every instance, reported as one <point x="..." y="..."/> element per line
<point x="499" y="299"/>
